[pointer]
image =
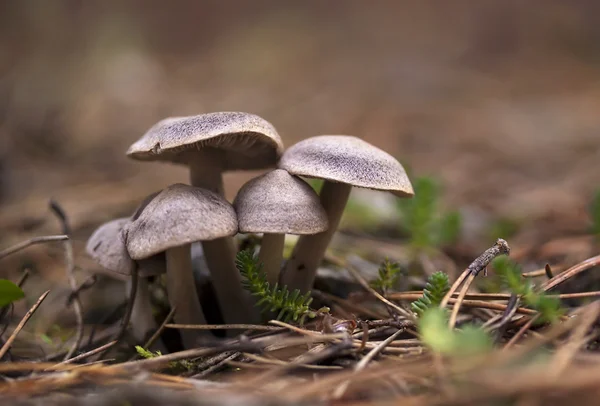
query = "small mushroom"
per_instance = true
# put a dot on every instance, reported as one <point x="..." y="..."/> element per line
<point x="107" y="248"/>
<point x="343" y="161"/>
<point x="276" y="204"/>
<point x="178" y="216"/>
<point x="211" y="144"/>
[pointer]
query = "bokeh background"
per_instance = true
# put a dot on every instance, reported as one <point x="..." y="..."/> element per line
<point x="498" y="100"/>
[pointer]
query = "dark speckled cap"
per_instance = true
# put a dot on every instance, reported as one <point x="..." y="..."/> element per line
<point x="347" y="159"/>
<point x="247" y="141"/>
<point x="180" y="214"/>
<point x="279" y="203"/>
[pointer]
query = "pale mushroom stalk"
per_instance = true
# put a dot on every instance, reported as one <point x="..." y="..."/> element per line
<point x="271" y="255"/>
<point x="142" y="319"/>
<point x="206" y="172"/>
<point x="206" y="168"/>
<point x="181" y="289"/>
<point x="234" y="301"/>
<point x="301" y="268"/>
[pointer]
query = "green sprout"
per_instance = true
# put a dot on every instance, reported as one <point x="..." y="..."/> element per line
<point x="511" y="276"/>
<point x="422" y="219"/>
<point x="437" y="335"/>
<point x="436" y="288"/>
<point x="389" y="272"/>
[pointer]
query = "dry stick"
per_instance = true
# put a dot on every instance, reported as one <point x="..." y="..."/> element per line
<point x="479" y="264"/>
<point x="20" y="326"/>
<point x="365" y="285"/>
<point x="349" y="304"/>
<point x="565" y="354"/>
<point x="459" y="300"/>
<point x="520" y="333"/>
<point x="32" y="241"/>
<point x="214" y="363"/>
<point x="491" y="296"/>
<point x="88" y="354"/>
<point x="569" y="273"/>
<point x="223" y="327"/>
<point x="70" y="271"/>
<point x="341" y="389"/>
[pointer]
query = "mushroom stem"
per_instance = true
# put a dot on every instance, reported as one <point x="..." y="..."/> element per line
<point x="142" y="319"/>
<point x="271" y="255"/>
<point x="206" y="172"/>
<point x="206" y="167"/>
<point x="301" y="269"/>
<point x="234" y="301"/>
<point x="181" y="289"/>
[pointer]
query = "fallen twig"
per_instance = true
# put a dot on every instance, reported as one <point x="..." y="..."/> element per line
<point x="32" y="241"/>
<point x="21" y="324"/>
<point x="70" y="272"/>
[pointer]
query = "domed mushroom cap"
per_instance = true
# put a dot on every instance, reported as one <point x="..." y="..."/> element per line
<point x="247" y="140"/>
<point x="279" y="203"/>
<point x="347" y="159"/>
<point x="180" y="214"/>
<point x="107" y="247"/>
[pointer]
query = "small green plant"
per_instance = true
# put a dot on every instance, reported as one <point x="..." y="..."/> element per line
<point x="595" y="214"/>
<point x="389" y="272"/>
<point x="9" y="292"/>
<point x="288" y="306"/>
<point x="436" y="288"/>
<point x="147" y="354"/>
<point x="178" y="365"/>
<point x="437" y="335"/>
<point x="427" y="226"/>
<point x="511" y="276"/>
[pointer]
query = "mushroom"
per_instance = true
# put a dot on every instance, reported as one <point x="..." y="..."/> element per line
<point x="211" y="144"/>
<point x="276" y="204"/>
<point x="342" y="161"/>
<point x="178" y="216"/>
<point x="107" y="248"/>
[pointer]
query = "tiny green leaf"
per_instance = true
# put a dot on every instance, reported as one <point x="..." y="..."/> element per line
<point x="433" y="327"/>
<point x="436" y="288"/>
<point x="435" y="333"/>
<point x="144" y="353"/>
<point x="9" y="292"/>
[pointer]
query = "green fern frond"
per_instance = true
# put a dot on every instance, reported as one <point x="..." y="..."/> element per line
<point x="511" y="276"/>
<point x="288" y="305"/>
<point x="436" y="288"/>
<point x="389" y="272"/>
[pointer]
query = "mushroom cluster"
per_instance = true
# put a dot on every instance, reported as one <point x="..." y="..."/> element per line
<point x="157" y="238"/>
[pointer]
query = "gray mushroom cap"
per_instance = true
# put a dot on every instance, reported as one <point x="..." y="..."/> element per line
<point x="347" y="159"/>
<point x="107" y="247"/>
<point x="180" y="214"/>
<point x="247" y="140"/>
<point x="279" y="203"/>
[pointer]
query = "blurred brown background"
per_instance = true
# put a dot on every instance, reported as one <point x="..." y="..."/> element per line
<point x="497" y="99"/>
